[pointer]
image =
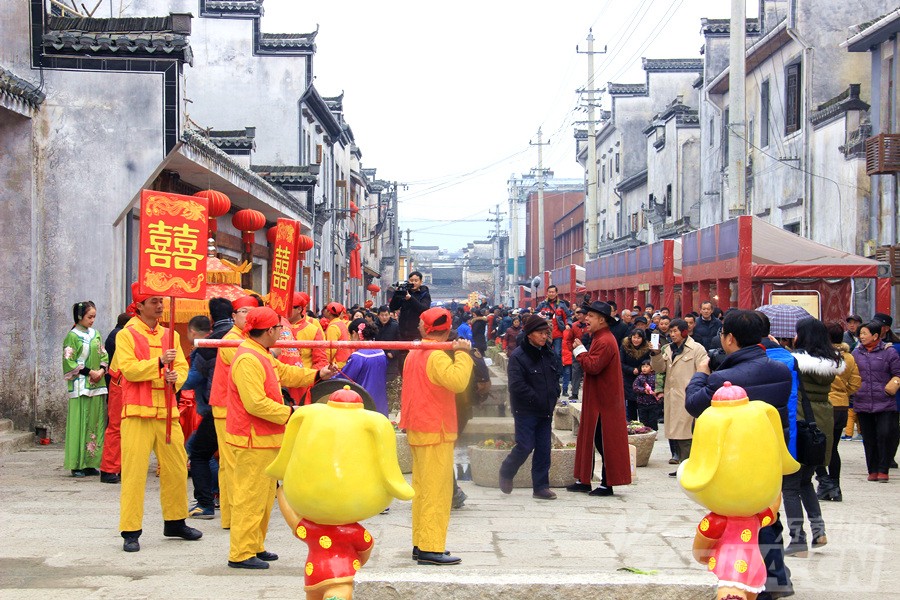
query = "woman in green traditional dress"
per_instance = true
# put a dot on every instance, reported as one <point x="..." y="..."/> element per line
<point x="85" y="363"/>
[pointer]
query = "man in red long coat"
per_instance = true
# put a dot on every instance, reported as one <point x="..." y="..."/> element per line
<point x="603" y="408"/>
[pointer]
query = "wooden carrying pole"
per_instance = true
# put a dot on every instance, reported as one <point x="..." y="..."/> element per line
<point x="169" y="387"/>
<point x="333" y="345"/>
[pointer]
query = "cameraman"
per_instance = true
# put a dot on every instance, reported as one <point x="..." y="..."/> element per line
<point x="411" y="299"/>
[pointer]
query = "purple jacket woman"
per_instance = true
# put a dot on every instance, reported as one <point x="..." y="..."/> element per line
<point x="876" y="368"/>
<point x="876" y="410"/>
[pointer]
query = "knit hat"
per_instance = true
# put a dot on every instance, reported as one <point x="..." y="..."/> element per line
<point x="436" y="319"/>
<point x="261" y="317"/>
<point x="535" y="323"/>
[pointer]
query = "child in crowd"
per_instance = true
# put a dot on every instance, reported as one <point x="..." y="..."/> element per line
<point x="648" y="405"/>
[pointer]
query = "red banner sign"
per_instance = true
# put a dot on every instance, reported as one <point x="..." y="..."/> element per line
<point x="172" y="258"/>
<point x="284" y="267"/>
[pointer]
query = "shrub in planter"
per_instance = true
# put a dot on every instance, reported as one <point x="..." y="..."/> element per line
<point x="642" y="438"/>
<point x="485" y="460"/>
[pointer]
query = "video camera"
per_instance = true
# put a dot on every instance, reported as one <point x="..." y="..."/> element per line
<point x="403" y="287"/>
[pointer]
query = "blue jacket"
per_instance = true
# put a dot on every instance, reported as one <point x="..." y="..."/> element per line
<point x="533" y="380"/>
<point x="762" y="377"/>
<point x="778" y="352"/>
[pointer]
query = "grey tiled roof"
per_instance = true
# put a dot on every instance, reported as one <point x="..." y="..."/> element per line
<point x="139" y="35"/>
<point x="682" y="113"/>
<point x="723" y="26"/>
<point x="12" y="85"/>
<point x="633" y="181"/>
<point x="243" y="7"/>
<point x="845" y="101"/>
<point x="672" y="64"/>
<point x="293" y="41"/>
<point x="287" y="174"/>
<point x="123" y="25"/>
<point x="202" y="145"/>
<point x="335" y="103"/>
<point x="622" y="89"/>
<point x="241" y="138"/>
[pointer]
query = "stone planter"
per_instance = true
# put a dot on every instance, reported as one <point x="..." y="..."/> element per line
<point x="404" y="454"/>
<point x="562" y="418"/>
<point x="485" y="466"/>
<point x="643" y="444"/>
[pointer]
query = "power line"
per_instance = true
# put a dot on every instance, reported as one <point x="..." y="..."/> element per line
<point x="657" y="29"/>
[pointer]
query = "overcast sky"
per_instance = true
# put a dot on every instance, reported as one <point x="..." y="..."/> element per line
<point x="445" y="98"/>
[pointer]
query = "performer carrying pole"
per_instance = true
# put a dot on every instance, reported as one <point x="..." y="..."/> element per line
<point x="147" y="370"/>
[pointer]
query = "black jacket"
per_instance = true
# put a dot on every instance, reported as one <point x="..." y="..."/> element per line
<point x="760" y="376"/>
<point x="533" y="380"/>
<point x="620" y="330"/>
<point x="410" y="310"/>
<point x="390" y="332"/>
<point x="630" y="362"/>
<point x="220" y="328"/>
<point x="706" y="331"/>
<point x="200" y="380"/>
<point x="110" y="346"/>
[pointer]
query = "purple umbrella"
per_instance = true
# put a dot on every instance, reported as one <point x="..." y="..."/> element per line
<point x="783" y="319"/>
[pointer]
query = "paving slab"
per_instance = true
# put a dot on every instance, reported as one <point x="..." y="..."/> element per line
<point x="60" y="540"/>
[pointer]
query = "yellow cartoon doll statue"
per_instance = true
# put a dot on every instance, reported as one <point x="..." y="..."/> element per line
<point x="339" y="465"/>
<point x="737" y="461"/>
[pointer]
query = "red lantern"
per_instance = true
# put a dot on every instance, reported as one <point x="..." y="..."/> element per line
<point x="271" y="233"/>
<point x="354" y="209"/>
<point x="248" y="221"/>
<point x="373" y="289"/>
<point x="304" y="243"/>
<point x="219" y="205"/>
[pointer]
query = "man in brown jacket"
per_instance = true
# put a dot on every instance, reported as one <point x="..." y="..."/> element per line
<point x="679" y="361"/>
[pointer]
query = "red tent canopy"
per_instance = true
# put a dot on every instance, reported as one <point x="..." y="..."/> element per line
<point x="746" y="259"/>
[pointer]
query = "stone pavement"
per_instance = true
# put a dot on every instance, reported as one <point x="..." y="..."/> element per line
<point x="60" y="540"/>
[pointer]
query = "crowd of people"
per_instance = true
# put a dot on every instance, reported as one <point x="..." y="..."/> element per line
<point x="640" y="364"/>
<point x="668" y="370"/>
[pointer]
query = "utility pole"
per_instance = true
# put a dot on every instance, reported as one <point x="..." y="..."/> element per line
<point x="395" y="232"/>
<point x="408" y="255"/>
<point x="737" y="113"/>
<point x="514" y="236"/>
<point x="496" y="213"/>
<point x="540" y="182"/>
<point x="592" y="208"/>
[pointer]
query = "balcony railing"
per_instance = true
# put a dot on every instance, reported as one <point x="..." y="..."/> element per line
<point x="883" y="154"/>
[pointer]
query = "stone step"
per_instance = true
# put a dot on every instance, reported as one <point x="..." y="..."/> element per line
<point x="13" y="441"/>
<point x="6" y="425"/>
<point x="453" y="582"/>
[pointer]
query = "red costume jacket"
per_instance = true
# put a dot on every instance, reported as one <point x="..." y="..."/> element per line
<point x="604" y="399"/>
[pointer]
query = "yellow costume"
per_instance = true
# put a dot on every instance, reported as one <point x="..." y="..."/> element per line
<point x="218" y="400"/>
<point x="431" y="380"/>
<point x="254" y="430"/>
<point x="137" y="358"/>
